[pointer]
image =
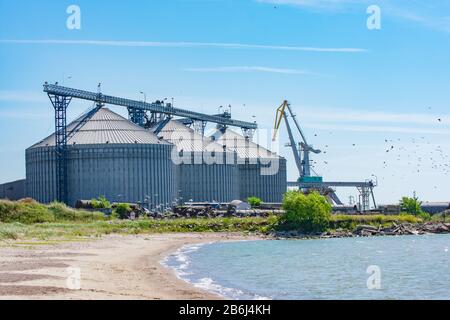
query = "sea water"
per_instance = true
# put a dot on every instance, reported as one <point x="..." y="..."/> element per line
<point x="406" y="267"/>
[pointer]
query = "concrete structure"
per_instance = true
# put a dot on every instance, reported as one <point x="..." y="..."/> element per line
<point x="108" y="156"/>
<point x="262" y="173"/>
<point x="206" y="171"/>
<point x="13" y="190"/>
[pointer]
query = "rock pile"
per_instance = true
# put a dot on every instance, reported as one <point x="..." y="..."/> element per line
<point x="209" y="212"/>
<point x="371" y="231"/>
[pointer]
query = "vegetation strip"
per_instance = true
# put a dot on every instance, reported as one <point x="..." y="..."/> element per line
<point x="304" y="216"/>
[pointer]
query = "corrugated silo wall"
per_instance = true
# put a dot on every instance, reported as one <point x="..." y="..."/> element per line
<point x="269" y="188"/>
<point x="209" y="182"/>
<point x="40" y="172"/>
<point x="121" y="173"/>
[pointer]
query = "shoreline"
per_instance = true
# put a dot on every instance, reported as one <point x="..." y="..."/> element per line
<point x="113" y="267"/>
<point x="116" y="267"/>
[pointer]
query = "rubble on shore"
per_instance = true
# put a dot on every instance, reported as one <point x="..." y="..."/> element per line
<point x="371" y="231"/>
<point x="208" y="212"/>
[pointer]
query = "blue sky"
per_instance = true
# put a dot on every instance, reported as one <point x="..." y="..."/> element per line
<point x="352" y="88"/>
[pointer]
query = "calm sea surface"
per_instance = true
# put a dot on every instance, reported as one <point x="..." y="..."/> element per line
<point x="409" y="267"/>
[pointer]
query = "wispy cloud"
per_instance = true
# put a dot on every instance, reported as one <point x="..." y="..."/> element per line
<point x="376" y="129"/>
<point x="349" y="116"/>
<point x="22" y="115"/>
<point x="317" y="4"/>
<point x="182" y="45"/>
<point x="22" y="96"/>
<point x="376" y="122"/>
<point x="424" y="17"/>
<point x="248" y="69"/>
<point x="430" y="14"/>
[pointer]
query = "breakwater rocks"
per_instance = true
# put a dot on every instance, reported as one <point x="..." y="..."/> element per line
<point x="371" y="231"/>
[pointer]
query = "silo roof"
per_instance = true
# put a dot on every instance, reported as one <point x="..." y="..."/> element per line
<point x="105" y="127"/>
<point x="245" y="148"/>
<point x="186" y="139"/>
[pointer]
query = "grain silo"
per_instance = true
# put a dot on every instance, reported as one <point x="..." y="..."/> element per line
<point x="262" y="173"/>
<point x="107" y="156"/>
<point x="207" y="172"/>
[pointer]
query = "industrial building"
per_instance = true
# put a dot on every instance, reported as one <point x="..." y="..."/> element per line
<point x="151" y="158"/>
<point x="13" y="190"/>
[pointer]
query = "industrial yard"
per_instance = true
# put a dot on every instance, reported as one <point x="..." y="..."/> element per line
<point x="155" y="159"/>
<point x="160" y="159"/>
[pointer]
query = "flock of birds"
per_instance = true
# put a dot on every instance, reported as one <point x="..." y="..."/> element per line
<point x="403" y="157"/>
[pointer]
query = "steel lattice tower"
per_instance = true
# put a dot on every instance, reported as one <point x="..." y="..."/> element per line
<point x="60" y="103"/>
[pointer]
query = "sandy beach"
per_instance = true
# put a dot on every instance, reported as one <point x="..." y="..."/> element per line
<point x="113" y="267"/>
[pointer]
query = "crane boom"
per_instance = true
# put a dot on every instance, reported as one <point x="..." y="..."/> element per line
<point x="278" y="118"/>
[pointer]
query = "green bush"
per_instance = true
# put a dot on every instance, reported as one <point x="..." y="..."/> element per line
<point x="414" y="207"/>
<point x="309" y="213"/>
<point x="30" y="212"/>
<point x="254" y="202"/>
<point x="100" y="203"/>
<point x="122" y="210"/>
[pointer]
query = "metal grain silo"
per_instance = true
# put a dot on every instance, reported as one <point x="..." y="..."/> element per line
<point x="206" y="171"/>
<point x="262" y="173"/>
<point x="107" y="156"/>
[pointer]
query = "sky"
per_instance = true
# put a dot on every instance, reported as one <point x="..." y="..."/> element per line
<point x="375" y="101"/>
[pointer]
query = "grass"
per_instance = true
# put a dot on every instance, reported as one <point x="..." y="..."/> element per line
<point x="29" y="220"/>
<point x="351" y="222"/>
<point x="70" y="230"/>
<point x="73" y="230"/>
<point x="441" y="218"/>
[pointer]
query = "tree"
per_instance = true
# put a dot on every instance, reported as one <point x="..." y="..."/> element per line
<point x="413" y="206"/>
<point x="310" y="212"/>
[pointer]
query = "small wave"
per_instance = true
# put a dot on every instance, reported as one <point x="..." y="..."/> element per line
<point x="180" y="261"/>
<point x="210" y="285"/>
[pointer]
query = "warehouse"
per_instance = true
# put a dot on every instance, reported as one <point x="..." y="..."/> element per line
<point x="13" y="190"/>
